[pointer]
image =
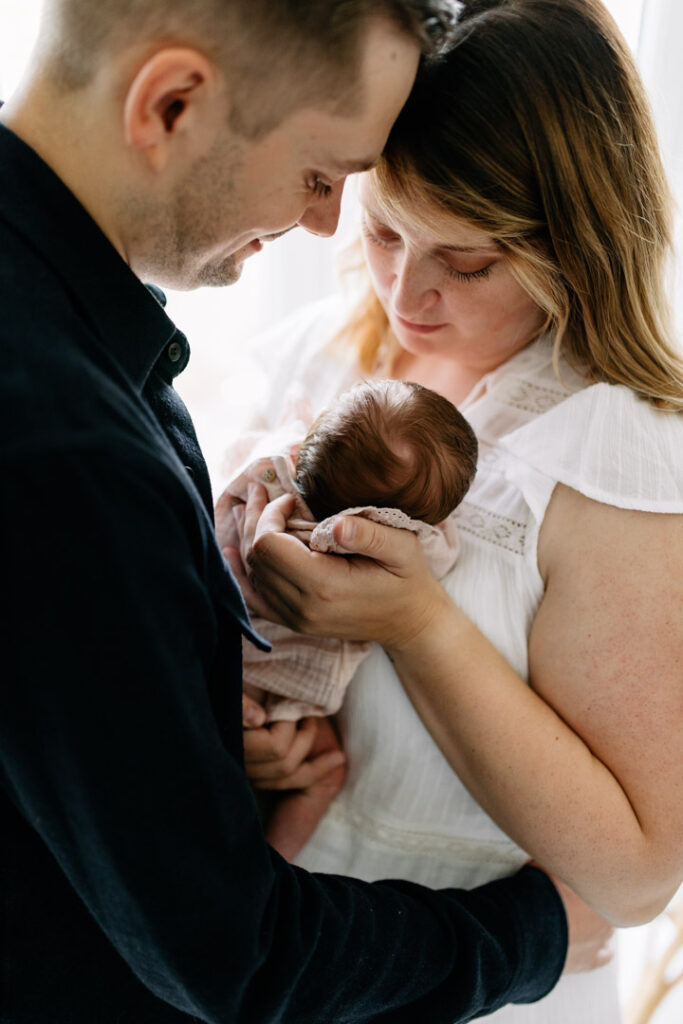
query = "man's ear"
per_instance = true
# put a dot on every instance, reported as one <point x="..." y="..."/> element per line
<point x="174" y="93"/>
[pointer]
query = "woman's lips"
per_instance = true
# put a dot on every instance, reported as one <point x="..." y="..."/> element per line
<point x="418" y="328"/>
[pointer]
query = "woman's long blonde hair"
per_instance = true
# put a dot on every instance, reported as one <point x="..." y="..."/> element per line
<point x="536" y="129"/>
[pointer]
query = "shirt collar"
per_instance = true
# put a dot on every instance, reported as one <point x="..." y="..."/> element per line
<point x="127" y="317"/>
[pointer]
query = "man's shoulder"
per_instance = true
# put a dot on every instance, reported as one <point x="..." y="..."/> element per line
<point x="54" y="373"/>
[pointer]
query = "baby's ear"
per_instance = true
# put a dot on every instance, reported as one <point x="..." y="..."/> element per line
<point x="294" y="452"/>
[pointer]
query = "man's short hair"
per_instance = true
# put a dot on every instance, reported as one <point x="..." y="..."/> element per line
<point x="311" y="45"/>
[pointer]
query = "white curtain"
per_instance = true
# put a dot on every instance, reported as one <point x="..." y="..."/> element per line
<point x="659" y="56"/>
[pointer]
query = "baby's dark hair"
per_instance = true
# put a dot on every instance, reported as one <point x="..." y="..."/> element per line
<point x="388" y="443"/>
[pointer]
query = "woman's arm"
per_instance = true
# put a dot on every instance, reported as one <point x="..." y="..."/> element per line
<point x="585" y="769"/>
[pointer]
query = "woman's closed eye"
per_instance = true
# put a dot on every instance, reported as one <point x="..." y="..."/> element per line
<point x="469" y="275"/>
<point x="379" y="236"/>
<point x="386" y="238"/>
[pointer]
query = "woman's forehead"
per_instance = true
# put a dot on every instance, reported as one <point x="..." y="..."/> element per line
<point x="416" y="216"/>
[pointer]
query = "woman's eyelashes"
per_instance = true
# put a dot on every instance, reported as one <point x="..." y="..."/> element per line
<point x="388" y="239"/>
<point x="469" y="275"/>
<point x="385" y="240"/>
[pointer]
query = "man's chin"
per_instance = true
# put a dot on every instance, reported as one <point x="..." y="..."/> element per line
<point x="219" y="275"/>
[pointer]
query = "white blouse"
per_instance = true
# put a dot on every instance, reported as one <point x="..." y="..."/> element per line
<point x="403" y="813"/>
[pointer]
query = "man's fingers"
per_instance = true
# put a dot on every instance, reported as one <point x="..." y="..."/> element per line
<point x="277" y="751"/>
<point x="223" y="516"/>
<point x="589" y="932"/>
<point x="264" y="517"/>
<point x="308" y="774"/>
<point x="253" y="715"/>
<point x="255" y="603"/>
<point x="604" y="956"/>
<point x="257" y="499"/>
<point x="271" y="743"/>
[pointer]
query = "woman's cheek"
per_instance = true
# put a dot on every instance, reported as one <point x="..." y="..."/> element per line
<point x="378" y="262"/>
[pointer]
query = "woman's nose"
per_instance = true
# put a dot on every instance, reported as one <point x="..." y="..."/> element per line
<point x="414" y="288"/>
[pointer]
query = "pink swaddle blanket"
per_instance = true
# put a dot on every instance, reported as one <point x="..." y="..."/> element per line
<point x="305" y="675"/>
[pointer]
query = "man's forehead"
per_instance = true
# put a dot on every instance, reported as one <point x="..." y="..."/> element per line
<point x="353" y="166"/>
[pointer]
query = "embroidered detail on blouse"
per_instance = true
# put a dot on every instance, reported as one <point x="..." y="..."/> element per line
<point x="531" y="397"/>
<point x="450" y="849"/>
<point x="489" y="455"/>
<point x="491" y="527"/>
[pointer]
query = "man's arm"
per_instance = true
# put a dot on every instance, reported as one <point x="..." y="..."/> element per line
<point x="114" y="755"/>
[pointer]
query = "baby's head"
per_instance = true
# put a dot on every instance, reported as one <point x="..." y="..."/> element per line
<point x="391" y="444"/>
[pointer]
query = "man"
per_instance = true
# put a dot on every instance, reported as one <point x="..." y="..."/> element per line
<point x="166" y="140"/>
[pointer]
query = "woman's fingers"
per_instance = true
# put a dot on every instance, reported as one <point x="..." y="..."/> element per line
<point x="393" y="549"/>
<point x="381" y="591"/>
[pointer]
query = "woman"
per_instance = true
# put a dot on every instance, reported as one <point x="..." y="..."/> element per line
<point x="516" y="235"/>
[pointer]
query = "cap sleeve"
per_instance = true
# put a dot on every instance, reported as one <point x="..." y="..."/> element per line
<point x="606" y="443"/>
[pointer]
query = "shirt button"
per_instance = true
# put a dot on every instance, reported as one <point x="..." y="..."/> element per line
<point x="174" y="351"/>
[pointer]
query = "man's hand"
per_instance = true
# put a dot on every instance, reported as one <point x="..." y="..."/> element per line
<point x="304" y="761"/>
<point x="296" y="814"/>
<point x="589" y="934"/>
<point x="288" y="755"/>
<point x="382" y="590"/>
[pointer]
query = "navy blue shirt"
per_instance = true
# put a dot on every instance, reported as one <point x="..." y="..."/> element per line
<point x="137" y="885"/>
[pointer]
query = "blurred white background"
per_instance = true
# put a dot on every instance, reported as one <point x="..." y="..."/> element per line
<point x="222" y="381"/>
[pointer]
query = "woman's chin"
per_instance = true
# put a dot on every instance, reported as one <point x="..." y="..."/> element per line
<point x="422" y="344"/>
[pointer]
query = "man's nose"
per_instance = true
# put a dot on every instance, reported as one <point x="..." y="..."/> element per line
<point x="322" y="215"/>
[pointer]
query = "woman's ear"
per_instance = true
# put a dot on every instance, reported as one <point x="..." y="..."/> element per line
<point x="173" y="95"/>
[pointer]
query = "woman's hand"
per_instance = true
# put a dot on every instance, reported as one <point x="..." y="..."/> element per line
<point x="582" y="768"/>
<point x="382" y="591"/>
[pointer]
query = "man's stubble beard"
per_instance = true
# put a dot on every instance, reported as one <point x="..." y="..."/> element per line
<point x="171" y="237"/>
<point x="206" y="205"/>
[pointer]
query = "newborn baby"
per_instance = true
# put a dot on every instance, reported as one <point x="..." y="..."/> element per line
<point x="388" y="443"/>
<point x="395" y="452"/>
